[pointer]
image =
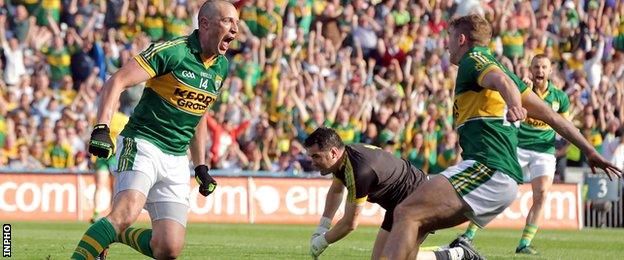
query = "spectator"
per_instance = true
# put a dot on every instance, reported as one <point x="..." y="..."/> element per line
<point x="24" y="160"/>
<point x="13" y="54"/>
<point x="59" y="154"/>
<point x="223" y="136"/>
<point x="303" y="64"/>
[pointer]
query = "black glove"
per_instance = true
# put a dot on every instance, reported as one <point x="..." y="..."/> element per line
<point x="206" y="183"/>
<point x="101" y="144"/>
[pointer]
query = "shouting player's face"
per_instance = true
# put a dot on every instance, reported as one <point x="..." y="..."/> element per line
<point x="540" y="69"/>
<point x="323" y="160"/>
<point x="221" y="30"/>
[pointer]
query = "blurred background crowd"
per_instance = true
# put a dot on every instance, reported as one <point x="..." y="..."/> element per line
<point x="376" y="71"/>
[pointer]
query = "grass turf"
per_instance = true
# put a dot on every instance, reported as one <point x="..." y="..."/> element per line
<point x="56" y="240"/>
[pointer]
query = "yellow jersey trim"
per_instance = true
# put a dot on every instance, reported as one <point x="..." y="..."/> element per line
<point x="361" y="200"/>
<point x="209" y="62"/>
<point x="489" y="68"/>
<point x="145" y="65"/>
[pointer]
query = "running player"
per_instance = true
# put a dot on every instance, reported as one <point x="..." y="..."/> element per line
<point x="489" y="99"/>
<point x="536" y="150"/>
<point x="369" y="174"/>
<point x="183" y="79"/>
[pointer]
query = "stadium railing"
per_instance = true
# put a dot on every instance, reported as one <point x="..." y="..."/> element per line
<point x="603" y="199"/>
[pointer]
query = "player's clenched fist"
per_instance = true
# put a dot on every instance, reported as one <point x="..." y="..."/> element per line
<point x="318" y="244"/>
<point x="516" y="114"/>
<point x="101" y="144"/>
<point x="206" y="183"/>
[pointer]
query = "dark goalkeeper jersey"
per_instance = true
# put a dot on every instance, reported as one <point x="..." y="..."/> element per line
<point x="374" y="175"/>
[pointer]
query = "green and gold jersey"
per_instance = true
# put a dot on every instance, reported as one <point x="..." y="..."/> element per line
<point x="49" y="7"/>
<point x="311" y="125"/>
<point x="59" y="156"/>
<point x="513" y="44"/>
<point x="268" y="22"/>
<point x="444" y="160"/>
<point x="349" y="132"/>
<point x="182" y="87"/>
<point x="175" y="27"/>
<point x="419" y="159"/>
<point x="59" y="61"/>
<point x="303" y="13"/>
<point x="249" y="15"/>
<point x="484" y="133"/>
<point x="154" y="27"/>
<point x="538" y="136"/>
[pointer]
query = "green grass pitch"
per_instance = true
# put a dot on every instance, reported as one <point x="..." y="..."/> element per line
<point x="56" y="240"/>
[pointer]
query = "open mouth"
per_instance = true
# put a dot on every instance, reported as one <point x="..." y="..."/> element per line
<point x="225" y="42"/>
<point x="228" y="38"/>
<point x="539" y="78"/>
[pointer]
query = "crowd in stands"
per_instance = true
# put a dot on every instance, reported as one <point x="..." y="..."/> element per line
<point x="376" y="71"/>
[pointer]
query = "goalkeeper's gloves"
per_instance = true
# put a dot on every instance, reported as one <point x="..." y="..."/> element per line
<point x="206" y="183"/>
<point x="101" y="144"/>
<point x="318" y="245"/>
<point x="323" y="227"/>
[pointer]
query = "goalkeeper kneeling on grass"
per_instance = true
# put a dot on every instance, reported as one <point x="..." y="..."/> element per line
<point x="369" y="174"/>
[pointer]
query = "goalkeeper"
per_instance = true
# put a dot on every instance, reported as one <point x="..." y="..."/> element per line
<point x="369" y="174"/>
<point x="183" y="79"/>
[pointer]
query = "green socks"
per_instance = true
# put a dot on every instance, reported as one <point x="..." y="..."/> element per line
<point x="137" y="238"/>
<point x="99" y="236"/>
<point x="471" y="231"/>
<point x="527" y="235"/>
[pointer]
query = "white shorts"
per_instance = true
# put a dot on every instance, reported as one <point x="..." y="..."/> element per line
<point x="487" y="192"/>
<point x="535" y="164"/>
<point x="162" y="178"/>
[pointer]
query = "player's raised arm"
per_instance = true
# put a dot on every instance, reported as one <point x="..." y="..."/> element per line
<point x="497" y="80"/>
<point x="536" y="108"/>
<point x="129" y="75"/>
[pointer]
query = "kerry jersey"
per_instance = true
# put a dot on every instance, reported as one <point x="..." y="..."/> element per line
<point x="484" y="133"/>
<point x="182" y="87"/>
<point x="536" y="135"/>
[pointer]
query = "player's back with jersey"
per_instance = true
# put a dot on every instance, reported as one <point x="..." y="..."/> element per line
<point x="479" y="113"/>
<point x="379" y="175"/>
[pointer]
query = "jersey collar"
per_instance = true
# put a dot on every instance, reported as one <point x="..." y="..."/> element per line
<point x="474" y="49"/>
<point x="549" y="85"/>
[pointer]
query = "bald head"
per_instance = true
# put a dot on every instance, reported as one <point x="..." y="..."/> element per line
<point x="218" y="26"/>
<point x="212" y="8"/>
